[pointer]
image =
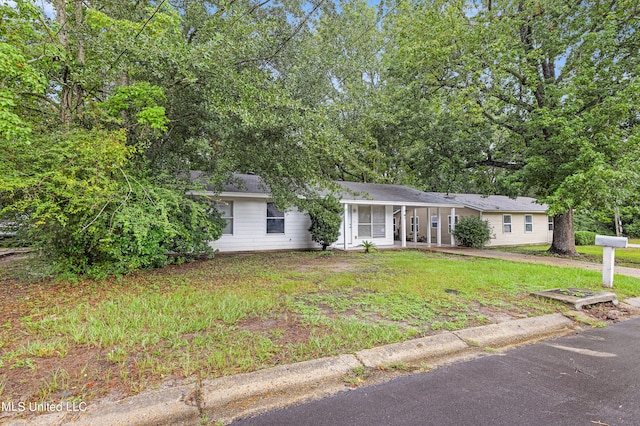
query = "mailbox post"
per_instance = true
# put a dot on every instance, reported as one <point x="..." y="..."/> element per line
<point x="609" y="245"/>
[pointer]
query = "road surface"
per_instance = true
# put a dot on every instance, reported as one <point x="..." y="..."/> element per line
<point x="591" y="378"/>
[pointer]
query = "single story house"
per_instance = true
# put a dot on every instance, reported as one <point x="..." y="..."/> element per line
<point x="254" y="223"/>
<point x="514" y="221"/>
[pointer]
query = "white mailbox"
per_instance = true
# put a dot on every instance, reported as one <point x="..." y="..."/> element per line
<point x="609" y="245"/>
<point x="607" y="241"/>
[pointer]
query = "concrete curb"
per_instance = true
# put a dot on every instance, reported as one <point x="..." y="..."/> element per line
<point x="412" y="350"/>
<point x="187" y="404"/>
<point x="243" y="394"/>
<point x="512" y="332"/>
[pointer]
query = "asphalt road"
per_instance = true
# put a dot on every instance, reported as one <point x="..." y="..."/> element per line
<point x="592" y="378"/>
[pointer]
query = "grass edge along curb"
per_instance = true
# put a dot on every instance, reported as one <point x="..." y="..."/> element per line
<point x="188" y="404"/>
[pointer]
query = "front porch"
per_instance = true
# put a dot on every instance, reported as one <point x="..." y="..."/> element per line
<point x="386" y="215"/>
<point x="390" y="226"/>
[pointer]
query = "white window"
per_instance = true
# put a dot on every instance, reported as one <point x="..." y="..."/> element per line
<point x="528" y="223"/>
<point x="415" y="225"/>
<point x="434" y="221"/>
<point x="550" y="226"/>
<point x="449" y="221"/>
<point x="506" y="223"/>
<point x="226" y="213"/>
<point x="371" y="221"/>
<point x="275" y="220"/>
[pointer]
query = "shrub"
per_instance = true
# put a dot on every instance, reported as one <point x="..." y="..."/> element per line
<point x="585" y="238"/>
<point x="89" y="210"/>
<point x="326" y="218"/>
<point x="472" y="231"/>
<point x="632" y="230"/>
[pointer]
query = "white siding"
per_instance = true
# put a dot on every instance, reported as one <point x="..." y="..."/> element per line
<point x="354" y="240"/>
<point x="250" y="229"/>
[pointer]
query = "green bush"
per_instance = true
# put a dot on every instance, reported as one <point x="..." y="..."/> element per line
<point x="585" y="238"/>
<point x="89" y="210"/>
<point x="326" y="218"/>
<point x="472" y="231"/>
<point x="632" y="230"/>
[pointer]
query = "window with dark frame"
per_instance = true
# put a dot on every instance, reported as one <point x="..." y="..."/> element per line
<point x="275" y="219"/>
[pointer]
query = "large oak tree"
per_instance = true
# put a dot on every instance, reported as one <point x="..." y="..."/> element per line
<point x="546" y="91"/>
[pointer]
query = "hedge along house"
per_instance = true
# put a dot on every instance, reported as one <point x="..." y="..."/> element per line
<point x="254" y="223"/>
<point x="514" y="221"/>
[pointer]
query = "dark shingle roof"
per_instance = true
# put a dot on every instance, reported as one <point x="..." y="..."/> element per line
<point x="395" y="193"/>
<point x="242" y="183"/>
<point x="354" y="191"/>
<point x="496" y="202"/>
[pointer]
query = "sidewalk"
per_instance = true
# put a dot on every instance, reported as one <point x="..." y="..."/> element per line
<point x="528" y="258"/>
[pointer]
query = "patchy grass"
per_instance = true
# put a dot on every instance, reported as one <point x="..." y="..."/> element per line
<point x="629" y="257"/>
<point x="81" y="340"/>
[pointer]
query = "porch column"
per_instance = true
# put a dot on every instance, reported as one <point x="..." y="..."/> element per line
<point x="415" y="227"/>
<point x="345" y="226"/>
<point x="439" y="235"/>
<point x="453" y="225"/>
<point x="403" y="225"/>
<point x="429" y="226"/>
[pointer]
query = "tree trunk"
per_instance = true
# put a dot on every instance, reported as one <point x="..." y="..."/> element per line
<point x="563" y="238"/>
<point x="66" y="94"/>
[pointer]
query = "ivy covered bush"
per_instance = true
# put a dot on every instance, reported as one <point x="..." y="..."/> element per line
<point x="471" y="231"/>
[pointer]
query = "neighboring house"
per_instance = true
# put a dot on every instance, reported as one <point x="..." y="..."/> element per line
<point x="254" y="223"/>
<point x="514" y="221"/>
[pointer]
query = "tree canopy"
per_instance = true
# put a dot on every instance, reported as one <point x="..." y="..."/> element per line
<point x="537" y="96"/>
<point x="106" y="106"/>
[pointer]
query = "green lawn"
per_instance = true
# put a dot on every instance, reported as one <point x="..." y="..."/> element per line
<point x="624" y="257"/>
<point x="241" y="313"/>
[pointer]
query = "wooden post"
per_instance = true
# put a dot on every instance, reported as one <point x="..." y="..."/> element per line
<point x="453" y="225"/>
<point x="608" y="245"/>
<point x="403" y="226"/>
<point x="346" y="225"/>
<point x="439" y="235"/>
<point x="428" y="226"/>
<point x="608" y="259"/>
<point x="415" y="227"/>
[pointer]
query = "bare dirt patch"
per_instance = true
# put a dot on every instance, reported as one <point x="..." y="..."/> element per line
<point x="329" y="263"/>
<point x="285" y="329"/>
<point x="610" y="312"/>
